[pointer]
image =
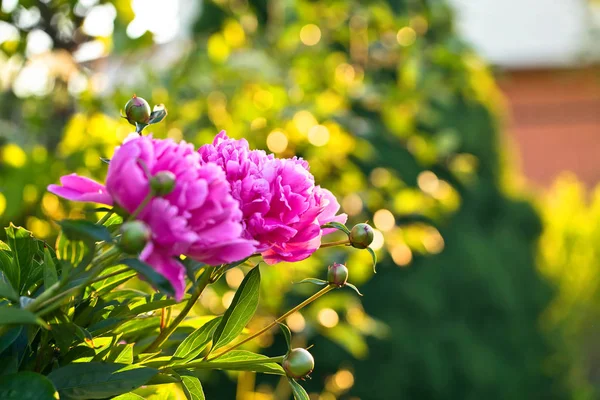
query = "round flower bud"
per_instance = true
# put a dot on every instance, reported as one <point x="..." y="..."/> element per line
<point x="137" y="110"/>
<point x="337" y="274"/>
<point x="298" y="363"/>
<point x="361" y="236"/>
<point x="134" y="236"/>
<point x="162" y="183"/>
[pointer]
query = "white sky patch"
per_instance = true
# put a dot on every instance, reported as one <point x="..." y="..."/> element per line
<point x="9" y="5"/>
<point x="156" y="17"/>
<point x="100" y="20"/>
<point x="89" y="51"/>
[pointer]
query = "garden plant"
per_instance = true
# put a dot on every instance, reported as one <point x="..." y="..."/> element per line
<point x="178" y="218"/>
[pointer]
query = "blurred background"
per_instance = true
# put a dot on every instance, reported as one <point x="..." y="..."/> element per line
<point x="467" y="132"/>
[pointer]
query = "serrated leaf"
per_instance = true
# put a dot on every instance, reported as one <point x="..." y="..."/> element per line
<point x="24" y="248"/>
<point x="26" y="386"/>
<point x="80" y="229"/>
<point x="154" y="278"/>
<point x="96" y="380"/>
<point x="241" y="310"/>
<point x="192" y="387"/>
<point x="287" y="335"/>
<point x="50" y="274"/>
<point x="14" y="315"/>
<point x="298" y="391"/>
<point x="315" y="281"/>
<point x="336" y="225"/>
<point x="9" y="266"/>
<point x="193" y="345"/>
<point x="351" y="286"/>
<point x="374" y="256"/>
<point x="242" y="360"/>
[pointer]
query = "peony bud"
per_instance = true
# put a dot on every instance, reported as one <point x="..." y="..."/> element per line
<point x="162" y="183"/>
<point x="337" y="274"/>
<point x="361" y="236"/>
<point x="298" y="363"/>
<point x="137" y="111"/>
<point x="134" y="236"/>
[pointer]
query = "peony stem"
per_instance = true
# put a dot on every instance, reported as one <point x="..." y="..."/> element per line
<point x="333" y="244"/>
<point x="105" y="217"/>
<point x="306" y="302"/>
<point x="226" y="365"/>
<point x="142" y="205"/>
<point x="162" y="337"/>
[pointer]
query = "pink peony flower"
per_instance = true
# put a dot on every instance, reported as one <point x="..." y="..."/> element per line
<point x="199" y="218"/>
<point x="283" y="209"/>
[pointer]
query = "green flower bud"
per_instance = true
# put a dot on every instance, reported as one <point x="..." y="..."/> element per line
<point x="134" y="236"/>
<point x="163" y="183"/>
<point x="298" y="363"/>
<point x="361" y="236"/>
<point x="137" y="110"/>
<point x="337" y="274"/>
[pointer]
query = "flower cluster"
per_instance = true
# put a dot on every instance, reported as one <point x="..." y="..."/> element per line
<point x="227" y="202"/>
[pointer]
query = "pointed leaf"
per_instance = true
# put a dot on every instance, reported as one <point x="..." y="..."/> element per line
<point x="298" y="390"/>
<point x="287" y="335"/>
<point x="73" y="253"/>
<point x="351" y="286"/>
<point x="193" y="345"/>
<point x="192" y="387"/>
<point x="242" y="360"/>
<point x="336" y="225"/>
<point x="374" y="256"/>
<point x="14" y="315"/>
<point x="6" y="290"/>
<point x="26" y="386"/>
<point x="94" y="380"/>
<point x="80" y="229"/>
<point x="24" y="248"/>
<point x="315" y="281"/>
<point x="50" y="274"/>
<point x="240" y="311"/>
<point x="9" y="337"/>
<point x="9" y="266"/>
<point x="105" y="160"/>
<point x="158" y="114"/>
<point x="157" y="280"/>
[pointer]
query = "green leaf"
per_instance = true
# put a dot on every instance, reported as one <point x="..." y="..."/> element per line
<point x="80" y="229"/>
<point x="157" y="280"/>
<point x="9" y="337"/>
<point x="94" y="380"/>
<point x="336" y="225"/>
<point x="105" y="160"/>
<point x="240" y="311"/>
<point x="8" y="265"/>
<point x="122" y="353"/>
<point x="298" y="390"/>
<point x="192" y="387"/>
<point x="242" y="360"/>
<point x="24" y="247"/>
<point x="6" y="290"/>
<point x="193" y="345"/>
<point x="15" y="315"/>
<point x="351" y="286"/>
<point x="50" y="274"/>
<point x="128" y="396"/>
<point x="287" y="335"/>
<point x="153" y="305"/>
<point x="374" y="256"/>
<point x="158" y="114"/>
<point x="26" y="386"/>
<point x="315" y="281"/>
<point x="73" y="253"/>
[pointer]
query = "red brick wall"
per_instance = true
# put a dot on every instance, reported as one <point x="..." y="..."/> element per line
<point x="555" y="122"/>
